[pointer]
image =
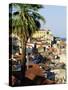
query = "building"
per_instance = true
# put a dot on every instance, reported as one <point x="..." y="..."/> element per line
<point x="43" y="37"/>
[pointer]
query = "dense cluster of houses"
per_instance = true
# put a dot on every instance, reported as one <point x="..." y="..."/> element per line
<point x="43" y="57"/>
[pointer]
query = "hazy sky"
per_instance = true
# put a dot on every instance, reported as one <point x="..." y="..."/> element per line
<point x="55" y="17"/>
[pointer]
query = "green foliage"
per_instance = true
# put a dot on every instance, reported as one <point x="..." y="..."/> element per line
<point x="27" y="17"/>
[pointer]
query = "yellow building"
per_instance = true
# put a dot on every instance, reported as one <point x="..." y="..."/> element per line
<point x="39" y="34"/>
<point x="43" y="35"/>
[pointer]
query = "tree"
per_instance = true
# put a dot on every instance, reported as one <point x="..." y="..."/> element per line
<point x="24" y="22"/>
<point x="27" y="19"/>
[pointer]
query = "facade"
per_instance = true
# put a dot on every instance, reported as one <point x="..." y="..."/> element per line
<point x="43" y="37"/>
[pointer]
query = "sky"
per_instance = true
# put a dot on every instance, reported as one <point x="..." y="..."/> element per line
<point x="55" y="17"/>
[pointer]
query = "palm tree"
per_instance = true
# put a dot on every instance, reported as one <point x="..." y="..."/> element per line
<point x="25" y="21"/>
